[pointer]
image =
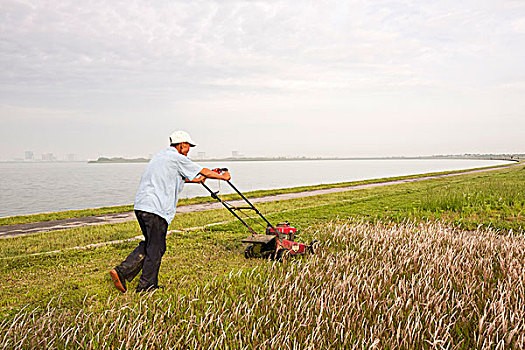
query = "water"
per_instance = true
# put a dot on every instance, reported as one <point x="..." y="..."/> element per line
<point x="27" y="188"/>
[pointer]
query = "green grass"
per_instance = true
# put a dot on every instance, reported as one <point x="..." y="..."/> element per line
<point x="71" y="288"/>
<point x="497" y="203"/>
<point x="22" y="219"/>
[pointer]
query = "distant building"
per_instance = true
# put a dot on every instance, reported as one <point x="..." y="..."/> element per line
<point x="29" y="155"/>
<point x="201" y="155"/>
<point x="71" y="157"/>
<point x="237" y="154"/>
<point x="48" y="157"/>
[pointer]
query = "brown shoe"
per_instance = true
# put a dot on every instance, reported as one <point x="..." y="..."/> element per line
<point x="118" y="280"/>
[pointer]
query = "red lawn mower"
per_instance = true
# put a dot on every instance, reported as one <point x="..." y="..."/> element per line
<point x="278" y="242"/>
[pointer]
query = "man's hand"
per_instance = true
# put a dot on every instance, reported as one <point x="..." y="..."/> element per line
<point x="214" y="175"/>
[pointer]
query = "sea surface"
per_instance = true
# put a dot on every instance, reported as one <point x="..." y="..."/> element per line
<point x="39" y="187"/>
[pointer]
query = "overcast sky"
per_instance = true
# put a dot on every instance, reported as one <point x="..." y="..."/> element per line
<point x="265" y="78"/>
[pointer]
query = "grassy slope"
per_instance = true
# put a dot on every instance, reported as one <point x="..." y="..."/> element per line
<point x="21" y="219"/>
<point x="76" y="281"/>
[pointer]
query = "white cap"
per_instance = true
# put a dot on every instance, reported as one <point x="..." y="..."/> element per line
<point x="181" y="136"/>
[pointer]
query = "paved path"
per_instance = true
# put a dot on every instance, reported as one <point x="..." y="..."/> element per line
<point x="44" y="226"/>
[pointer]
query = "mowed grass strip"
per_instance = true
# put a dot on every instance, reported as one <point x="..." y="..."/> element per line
<point x="75" y="275"/>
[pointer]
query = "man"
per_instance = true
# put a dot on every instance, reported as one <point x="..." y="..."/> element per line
<point x="155" y="204"/>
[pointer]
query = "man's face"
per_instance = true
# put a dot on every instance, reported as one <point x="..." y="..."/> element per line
<point x="184" y="148"/>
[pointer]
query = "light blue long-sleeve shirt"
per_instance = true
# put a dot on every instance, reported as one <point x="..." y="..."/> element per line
<point x="162" y="182"/>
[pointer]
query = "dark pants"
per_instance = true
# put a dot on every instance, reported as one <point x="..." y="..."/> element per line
<point x="148" y="255"/>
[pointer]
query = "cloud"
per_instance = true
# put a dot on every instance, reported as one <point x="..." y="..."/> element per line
<point x="117" y="62"/>
<point x="96" y="46"/>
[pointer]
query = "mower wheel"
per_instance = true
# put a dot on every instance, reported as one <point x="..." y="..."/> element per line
<point x="248" y="252"/>
<point x="313" y="247"/>
<point x="282" y="255"/>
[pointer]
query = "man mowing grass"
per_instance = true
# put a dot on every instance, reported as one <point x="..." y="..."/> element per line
<point x="155" y="203"/>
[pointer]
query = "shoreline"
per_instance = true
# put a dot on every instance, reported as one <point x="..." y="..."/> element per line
<point x="36" y="214"/>
<point x="113" y="218"/>
<point x="253" y="193"/>
<point x="502" y="157"/>
<point x="120" y="160"/>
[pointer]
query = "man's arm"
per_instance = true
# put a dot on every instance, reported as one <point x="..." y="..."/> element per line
<point x="198" y="179"/>
<point x="213" y="175"/>
<point x="208" y="174"/>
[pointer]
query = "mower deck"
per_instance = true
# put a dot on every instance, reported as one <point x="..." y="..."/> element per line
<point x="259" y="239"/>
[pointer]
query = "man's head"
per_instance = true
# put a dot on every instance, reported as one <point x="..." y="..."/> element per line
<point x="182" y="141"/>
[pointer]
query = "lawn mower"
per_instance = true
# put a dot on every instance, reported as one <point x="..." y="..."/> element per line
<point x="277" y="242"/>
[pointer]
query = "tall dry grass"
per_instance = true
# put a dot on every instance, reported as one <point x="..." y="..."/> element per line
<point x="371" y="286"/>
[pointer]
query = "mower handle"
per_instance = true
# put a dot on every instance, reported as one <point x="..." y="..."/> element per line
<point x="215" y="196"/>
